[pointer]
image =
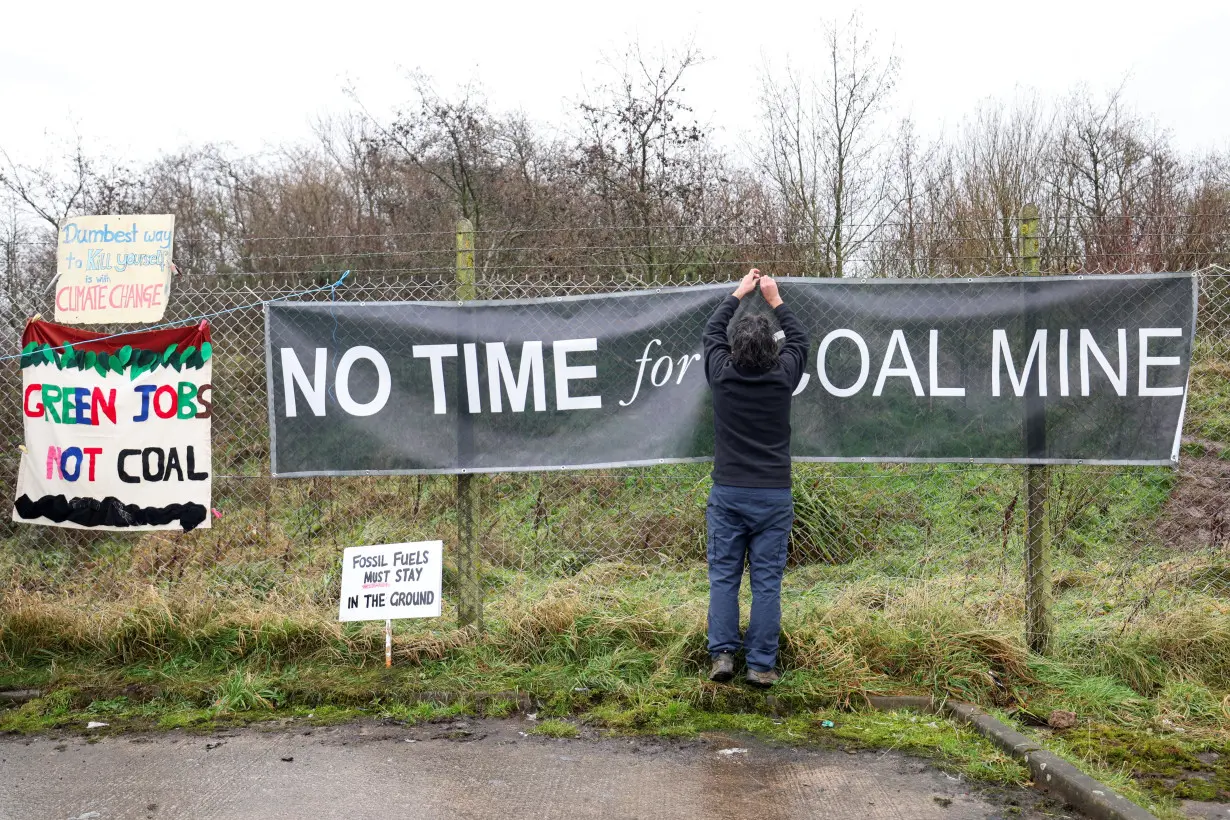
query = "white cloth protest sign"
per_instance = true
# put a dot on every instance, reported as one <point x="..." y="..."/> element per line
<point x="391" y="581"/>
<point x="117" y="429"/>
<point x="114" y="268"/>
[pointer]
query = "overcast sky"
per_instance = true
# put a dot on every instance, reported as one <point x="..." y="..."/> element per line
<point x="143" y="77"/>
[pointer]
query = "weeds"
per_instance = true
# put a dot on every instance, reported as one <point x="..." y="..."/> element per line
<point x="556" y="728"/>
<point x="244" y="692"/>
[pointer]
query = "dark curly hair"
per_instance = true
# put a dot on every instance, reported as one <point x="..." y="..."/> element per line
<point x="752" y="346"/>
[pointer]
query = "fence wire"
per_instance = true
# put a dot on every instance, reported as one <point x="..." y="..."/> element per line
<point x="1126" y="541"/>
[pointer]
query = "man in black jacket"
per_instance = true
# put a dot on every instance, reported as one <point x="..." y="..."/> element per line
<point x="750" y="508"/>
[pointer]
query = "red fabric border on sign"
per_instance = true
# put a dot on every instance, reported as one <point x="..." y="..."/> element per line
<point x="50" y="333"/>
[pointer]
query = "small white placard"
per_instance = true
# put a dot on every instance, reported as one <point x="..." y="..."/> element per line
<point x="391" y="581"/>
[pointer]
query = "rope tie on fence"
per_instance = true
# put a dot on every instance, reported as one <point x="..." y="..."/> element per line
<point x="331" y="287"/>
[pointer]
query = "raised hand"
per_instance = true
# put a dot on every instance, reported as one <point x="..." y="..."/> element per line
<point x="748" y="283"/>
<point x="768" y="289"/>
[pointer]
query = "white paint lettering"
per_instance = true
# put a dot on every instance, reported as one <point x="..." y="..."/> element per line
<point x="640" y="374"/>
<point x="657" y="366"/>
<point x="294" y="375"/>
<point x="1117" y="380"/>
<point x="1063" y="362"/>
<point x="1147" y="361"/>
<point x="435" y="356"/>
<point x="499" y="368"/>
<point x="864" y="367"/>
<point x="897" y="340"/>
<point x="473" y="389"/>
<point x="934" y="376"/>
<point x="565" y="373"/>
<point x="1001" y="353"/>
<point x="684" y="361"/>
<point x="384" y="384"/>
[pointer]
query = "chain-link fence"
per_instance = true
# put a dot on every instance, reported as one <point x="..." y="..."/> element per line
<point x="1124" y="540"/>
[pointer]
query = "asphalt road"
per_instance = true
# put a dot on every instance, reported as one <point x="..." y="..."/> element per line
<point x="474" y="769"/>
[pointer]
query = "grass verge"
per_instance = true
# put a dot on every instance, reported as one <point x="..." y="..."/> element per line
<point x="623" y="648"/>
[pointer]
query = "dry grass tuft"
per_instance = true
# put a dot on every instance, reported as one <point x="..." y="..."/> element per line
<point x="153" y="624"/>
<point x="434" y="645"/>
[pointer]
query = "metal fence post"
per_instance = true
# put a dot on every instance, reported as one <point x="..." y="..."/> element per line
<point x="1038" y="624"/>
<point x="469" y="583"/>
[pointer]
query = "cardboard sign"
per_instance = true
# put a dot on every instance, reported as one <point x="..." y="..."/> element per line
<point x="117" y="431"/>
<point x="391" y="581"/>
<point x="114" y="268"/>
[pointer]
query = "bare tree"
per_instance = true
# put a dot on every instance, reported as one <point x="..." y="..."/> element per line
<point x="1118" y="181"/>
<point x="82" y="184"/>
<point x="24" y="262"/>
<point x="825" y="148"/>
<point x="641" y="154"/>
<point x="444" y="157"/>
<point x="999" y="164"/>
<point x="920" y="178"/>
<point x="50" y="194"/>
<point x="633" y="184"/>
<point x="448" y="139"/>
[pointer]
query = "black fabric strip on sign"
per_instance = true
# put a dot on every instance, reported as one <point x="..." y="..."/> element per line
<point x="110" y="512"/>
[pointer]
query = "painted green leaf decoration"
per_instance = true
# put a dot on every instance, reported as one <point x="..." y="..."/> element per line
<point x="69" y="357"/>
<point x="90" y="358"/>
<point x="207" y="350"/>
<point x="124" y="354"/>
<point x="115" y="364"/>
<point x="170" y="351"/>
<point x="30" y="348"/>
<point x="187" y="354"/>
<point x="147" y="358"/>
<point x="177" y="364"/>
<point x="48" y="356"/>
<point x="100" y="364"/>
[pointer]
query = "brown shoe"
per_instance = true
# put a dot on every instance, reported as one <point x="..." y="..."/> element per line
<point x="764" y="679"/>
<point x="723" y="668"/>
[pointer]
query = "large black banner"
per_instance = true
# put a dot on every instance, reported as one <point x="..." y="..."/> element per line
<point x="1028" y="370"/>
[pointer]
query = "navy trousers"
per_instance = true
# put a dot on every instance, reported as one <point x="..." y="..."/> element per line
<point x="747" y="525"/>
